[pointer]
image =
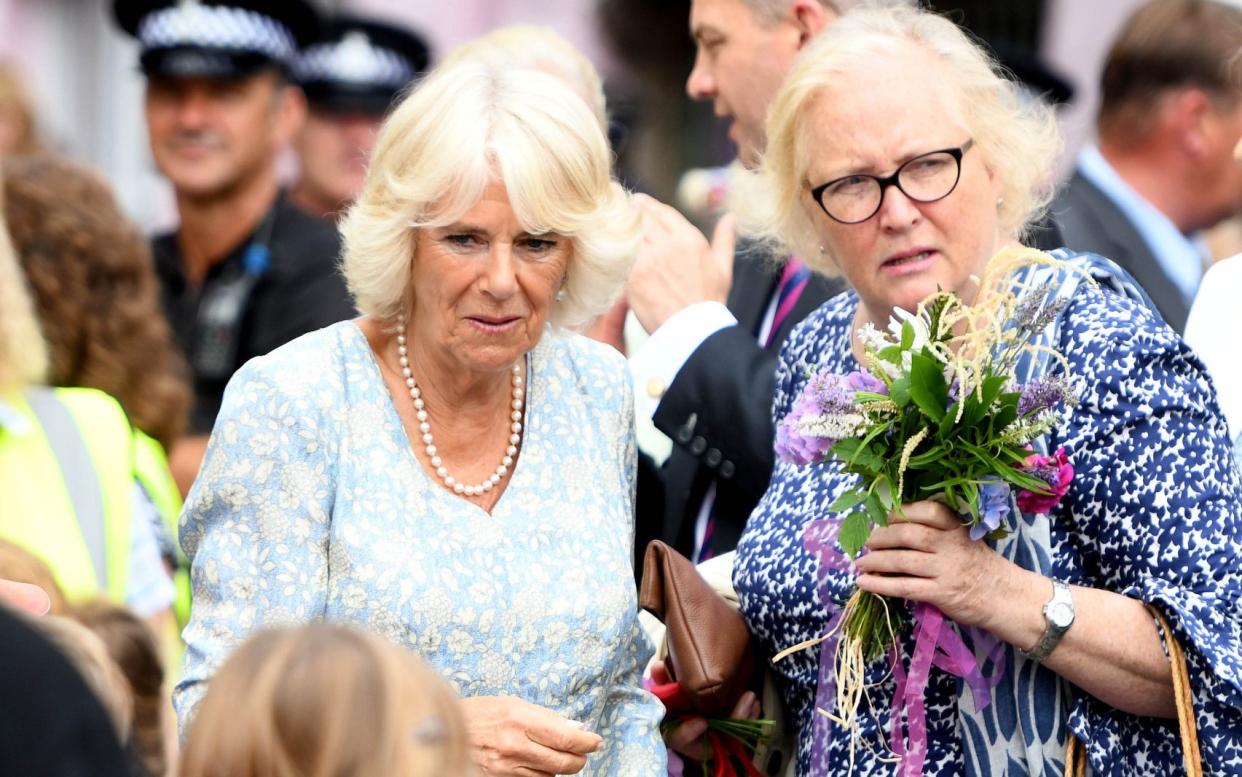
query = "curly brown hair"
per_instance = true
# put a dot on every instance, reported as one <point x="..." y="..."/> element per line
<point x="91" y="274"/>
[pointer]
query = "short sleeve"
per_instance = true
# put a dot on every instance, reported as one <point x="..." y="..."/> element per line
<point x="255" y="525"/>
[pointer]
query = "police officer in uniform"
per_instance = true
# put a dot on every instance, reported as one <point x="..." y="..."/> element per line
<point x="246" y="271"/>
<point x="351" y="75"/>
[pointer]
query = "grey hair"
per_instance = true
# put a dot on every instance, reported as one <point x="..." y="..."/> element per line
<point x="1018" y="137"/>
<point x="469" y="124"/>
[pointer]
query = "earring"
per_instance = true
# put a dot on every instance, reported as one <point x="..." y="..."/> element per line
<point x="560" y="296"/>
<point x="1000" y="202"/>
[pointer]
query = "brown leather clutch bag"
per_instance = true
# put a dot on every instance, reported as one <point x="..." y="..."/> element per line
<point x="709" y="646"/>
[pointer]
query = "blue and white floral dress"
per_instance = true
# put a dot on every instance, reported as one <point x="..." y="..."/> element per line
<point x="311" y="505"/>
<point x="1154" y="512"/>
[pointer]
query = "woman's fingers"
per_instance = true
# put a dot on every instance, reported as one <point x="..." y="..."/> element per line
<point x="926" y="513"/>
<point x="916" y="589"/>
<point x="687" y="738"/>
<point x="509" y="734"/>
<point x="659" y="673"/>
<point x="911" y="563"/>
<point x="564" y="736"/>
<point x="27" y="597"/>
<point x="903" y="535"/>
<point x="746" y="707"/>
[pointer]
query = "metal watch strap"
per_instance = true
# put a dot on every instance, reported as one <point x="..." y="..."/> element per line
<point x="1052" y="632"/>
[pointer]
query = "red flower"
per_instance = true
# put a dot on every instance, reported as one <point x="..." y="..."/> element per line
<point x="1056" y="472"/>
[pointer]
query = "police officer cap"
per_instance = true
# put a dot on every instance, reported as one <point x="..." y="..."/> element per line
<point x="217" y="38"/>
<point x="359" y="65"/>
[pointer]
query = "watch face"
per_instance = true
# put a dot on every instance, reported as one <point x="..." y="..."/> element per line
<point x="1061" y="614"/>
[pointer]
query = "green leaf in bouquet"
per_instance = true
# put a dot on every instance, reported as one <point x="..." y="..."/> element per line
<point x="875" y="509"/>
<point x="970" y="495"/>
<point x="899" y="391"/>
<point x="992" y="387"/>
<point x="863" y="397"/>
<point x="891" y="354"/>
<point x="847" y="501"/>
<point x="856" y="453"/>
<point x="884" y="490"/>
<point x="984" y="456"/>
<point x="998" y="534"/>
<point x="907" y="336"/>
<point x="929" y="456"/>
<point x="1008" y="412"/>
<point x="978" y="408"/>
<point x="927" y="387"/>
<point x="855" y="530"/>
<point x="1023" y="480"/>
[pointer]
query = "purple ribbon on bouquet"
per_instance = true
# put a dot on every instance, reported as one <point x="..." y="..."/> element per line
<point x="936" y="644"/>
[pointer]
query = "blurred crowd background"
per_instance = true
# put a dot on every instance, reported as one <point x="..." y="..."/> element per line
<point x="78" y="72"/>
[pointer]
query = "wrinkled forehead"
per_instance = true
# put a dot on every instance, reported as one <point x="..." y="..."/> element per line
<point x="874" y="113"/>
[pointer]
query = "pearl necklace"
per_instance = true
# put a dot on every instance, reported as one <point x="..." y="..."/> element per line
<point x="424" y="425"/>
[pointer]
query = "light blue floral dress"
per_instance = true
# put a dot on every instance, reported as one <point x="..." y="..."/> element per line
<point x="310" y="505"/>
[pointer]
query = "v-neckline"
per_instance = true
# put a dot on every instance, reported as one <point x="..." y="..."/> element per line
<point x="403" y="438"/>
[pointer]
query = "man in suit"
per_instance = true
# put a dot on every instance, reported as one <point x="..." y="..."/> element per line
<point x="1170" y="116"/>
<point x="707" y="374"/>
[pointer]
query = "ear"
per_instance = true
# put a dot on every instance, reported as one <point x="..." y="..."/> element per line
<point x="1185" y="115"/>
<point x="290" y="113"/>
<point x="810" y="17"/>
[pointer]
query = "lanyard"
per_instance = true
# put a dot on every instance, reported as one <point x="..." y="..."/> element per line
<point x="224" y="303"/>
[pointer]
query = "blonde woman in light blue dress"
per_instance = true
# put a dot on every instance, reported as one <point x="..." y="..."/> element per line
<point x="455" y="469"/>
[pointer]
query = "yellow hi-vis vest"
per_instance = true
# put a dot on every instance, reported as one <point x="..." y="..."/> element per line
<point x="152" y="470"/>
<point x="67" y="488"/>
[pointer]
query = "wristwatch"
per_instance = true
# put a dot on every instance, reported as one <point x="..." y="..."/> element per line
<point x="1059" y="615"/>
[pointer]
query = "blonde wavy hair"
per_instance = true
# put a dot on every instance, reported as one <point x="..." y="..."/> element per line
<point x="325" y="700"/>
<point x="23" y="353"/>
<point x="541" y="48"/>
<point x="466" y="125"/>
<point x="1017" y="138"/>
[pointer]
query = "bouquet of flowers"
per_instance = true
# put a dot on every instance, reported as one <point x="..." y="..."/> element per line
<point x="936" y="413"/>
<point x="731" y="743"/>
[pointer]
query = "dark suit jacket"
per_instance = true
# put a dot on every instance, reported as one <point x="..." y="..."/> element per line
<point x="718" y="412"/>
<point x="1091" y="222"/>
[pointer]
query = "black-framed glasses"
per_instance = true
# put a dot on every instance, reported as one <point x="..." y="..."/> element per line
<point x="853" y="199"/>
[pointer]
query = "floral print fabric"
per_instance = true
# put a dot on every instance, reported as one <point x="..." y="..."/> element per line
<point x="312" y="505"/>
<point x="1153" y="513"/>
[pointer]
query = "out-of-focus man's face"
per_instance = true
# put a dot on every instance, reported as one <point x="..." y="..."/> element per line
<point x="1223" y="168"/>
<point x="740" y="63"/>
<point x="334" y="149"/>
<point x="209" y="135"/>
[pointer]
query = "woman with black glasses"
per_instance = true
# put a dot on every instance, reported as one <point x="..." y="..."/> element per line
<point x="900" y="159"/>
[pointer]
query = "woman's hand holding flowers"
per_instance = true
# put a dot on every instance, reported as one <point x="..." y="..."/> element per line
<point x="927" y="555"/>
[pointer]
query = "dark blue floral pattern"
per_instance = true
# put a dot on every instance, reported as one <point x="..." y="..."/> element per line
<point x="1154" y="513"/>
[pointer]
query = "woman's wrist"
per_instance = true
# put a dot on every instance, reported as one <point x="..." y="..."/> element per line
<point x="1015" y="612"/>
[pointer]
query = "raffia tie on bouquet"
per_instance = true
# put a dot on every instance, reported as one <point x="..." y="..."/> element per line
<point x="937" y="644"/>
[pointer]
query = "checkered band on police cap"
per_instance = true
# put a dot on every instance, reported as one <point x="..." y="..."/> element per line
<point x="354" y="60"/>
<point x="217" y="27"/>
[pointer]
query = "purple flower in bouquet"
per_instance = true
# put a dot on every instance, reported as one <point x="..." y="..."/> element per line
<point x="865" y="381"/>
<point x="823" y="414"/>
<point x="1044" y="393"/>
<point x="798" y="448"/>
<point x="993" y="506"/>
<point x="1054" y="470"/>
